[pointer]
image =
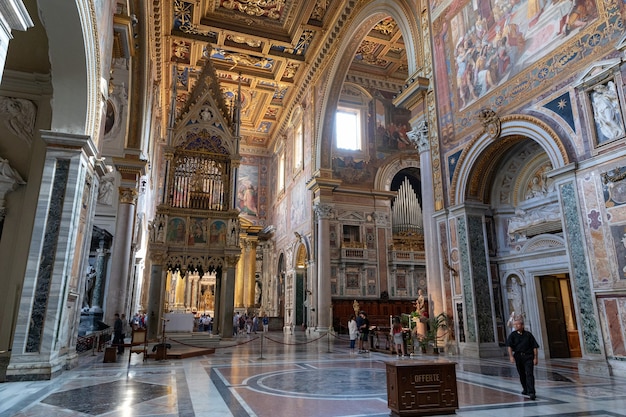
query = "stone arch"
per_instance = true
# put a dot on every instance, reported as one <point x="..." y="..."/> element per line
<point x="482" y="154"/>
<point x="361" y="21"/>
<point x="385" y="175"/>
<point x="76" y="66"/>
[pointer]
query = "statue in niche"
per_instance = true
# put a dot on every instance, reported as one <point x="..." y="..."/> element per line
<point x="90" y="281"/>
<point x="606" y="112"/>
<point x="514" y="295"/>
<point x="536" y="188"/>
<point x="105" y="191"/>
<point x="257" y="293"/>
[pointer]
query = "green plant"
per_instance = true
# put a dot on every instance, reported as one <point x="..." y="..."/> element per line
<point x="439" y="322"/>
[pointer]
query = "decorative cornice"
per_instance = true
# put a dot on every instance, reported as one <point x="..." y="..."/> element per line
<point x="412" y="93"/>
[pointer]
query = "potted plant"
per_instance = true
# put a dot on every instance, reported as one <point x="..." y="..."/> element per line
<point x="436" y="323"/>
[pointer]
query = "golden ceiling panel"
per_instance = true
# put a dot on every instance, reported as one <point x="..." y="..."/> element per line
<point x="265" y="44"/>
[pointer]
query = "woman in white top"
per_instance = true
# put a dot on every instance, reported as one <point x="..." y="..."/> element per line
<point x="353" y="331"/>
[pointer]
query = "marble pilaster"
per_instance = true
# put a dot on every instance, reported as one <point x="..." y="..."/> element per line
<point x="480" y="340"/>
<point x="49" y="299"/>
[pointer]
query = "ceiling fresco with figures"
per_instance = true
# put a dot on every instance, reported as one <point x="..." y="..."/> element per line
<point x="269" y="46"/>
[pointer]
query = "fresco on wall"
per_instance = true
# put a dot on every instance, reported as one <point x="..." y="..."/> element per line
<point x="490" y="42"/>
<point x="247" y="190"/>
<point x="298" y="198"/>
<point x="390" y="127"/>
<point x="198" y="231"/>
<point x="218" y="233"/>
<point x="176" y="230"/>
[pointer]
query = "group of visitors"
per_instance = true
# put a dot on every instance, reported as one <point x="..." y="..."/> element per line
<point x="359" y="329"/>
<point x="205" y="323"/>
<point x="139" y="321"/>
<point x="249" y="323"/>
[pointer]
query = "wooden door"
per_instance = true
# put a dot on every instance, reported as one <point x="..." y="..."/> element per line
<point x="556" y="328"/>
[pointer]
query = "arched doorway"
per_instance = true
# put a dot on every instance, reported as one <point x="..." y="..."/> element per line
<point x="509" y="215"/>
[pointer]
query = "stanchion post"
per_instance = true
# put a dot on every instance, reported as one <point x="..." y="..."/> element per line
<point x="96" y="345"/>
<point x="262" y="342"/>
<point x="328" y="338"/>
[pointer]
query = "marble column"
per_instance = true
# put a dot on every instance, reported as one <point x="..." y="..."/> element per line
<point x="419" y="136"/>
<point x="323" y="213"/>
<point x="266" y="276"/>
<point x="251" y="273"/>
<point x="47" y="307"/>
<point x="156" y="295"/>
<point x="312" y="285"/>
<point x="218" y="303"/>
<point x="240" y="274"/>
<point x="117" y="293"/>
<point x="227" y="298"/>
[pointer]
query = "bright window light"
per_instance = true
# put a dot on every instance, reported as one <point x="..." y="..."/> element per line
<point x="348" y="129"/>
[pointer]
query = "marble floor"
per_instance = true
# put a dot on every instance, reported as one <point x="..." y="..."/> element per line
<point x="300" y="376"/>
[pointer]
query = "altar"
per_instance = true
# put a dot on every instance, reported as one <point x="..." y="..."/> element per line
<point x="179" y="322"/>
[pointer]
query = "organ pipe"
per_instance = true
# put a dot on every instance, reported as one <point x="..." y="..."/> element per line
<point x="406" y="210"/>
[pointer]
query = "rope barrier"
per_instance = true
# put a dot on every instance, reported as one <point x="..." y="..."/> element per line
<point x="216" y="347"/>
<point x="294" y="344"/>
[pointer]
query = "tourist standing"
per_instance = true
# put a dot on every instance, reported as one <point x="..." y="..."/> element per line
<point x="353" y="331"/>
<point x="523" y="351"/>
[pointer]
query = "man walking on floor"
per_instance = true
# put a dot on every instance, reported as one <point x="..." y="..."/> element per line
<point x="523" y="352"/>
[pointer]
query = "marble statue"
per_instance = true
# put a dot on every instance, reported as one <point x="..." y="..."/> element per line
<point x="606" y="111"/>
<point x="19" y="116"/>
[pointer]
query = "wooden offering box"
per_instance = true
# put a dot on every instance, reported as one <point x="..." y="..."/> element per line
<point x="421" y="388"/>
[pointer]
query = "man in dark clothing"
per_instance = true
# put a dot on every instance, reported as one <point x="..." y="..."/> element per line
<point x="118" y="334"/>
<point x="523" y="352"/>
<point x="364" y="331"/>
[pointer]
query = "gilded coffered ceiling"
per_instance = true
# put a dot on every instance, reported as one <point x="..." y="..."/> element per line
<point x="270" y="45"/>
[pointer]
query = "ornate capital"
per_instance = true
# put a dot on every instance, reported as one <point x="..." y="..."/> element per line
<point x="231" y="260"/>
<point x="419" y="136"/>
<point x="157" y="257"/>
<point x="128" y="195"/>
<point x="324" y="211"/>
<point x="491" y="122"/>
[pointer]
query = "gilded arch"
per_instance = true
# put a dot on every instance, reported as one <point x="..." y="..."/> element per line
<point x="481" y="154"/>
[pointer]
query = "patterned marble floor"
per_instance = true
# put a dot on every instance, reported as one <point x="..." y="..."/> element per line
<point x="300" y="376"/>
